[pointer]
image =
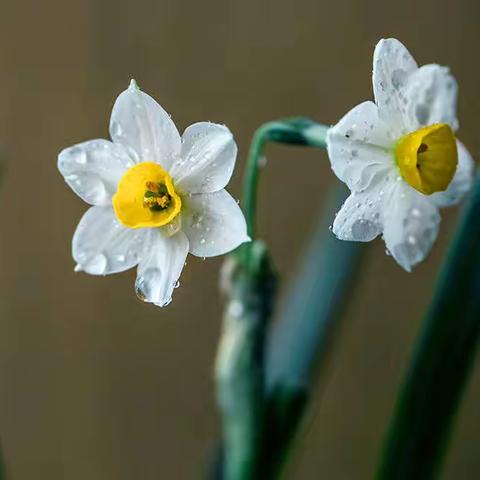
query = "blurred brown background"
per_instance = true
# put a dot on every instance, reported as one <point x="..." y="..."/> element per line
<point x="96" y="385"/>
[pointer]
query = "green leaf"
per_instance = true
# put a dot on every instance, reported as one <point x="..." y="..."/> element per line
<point x="303" y="333"/>
<point x="442" y="361"/>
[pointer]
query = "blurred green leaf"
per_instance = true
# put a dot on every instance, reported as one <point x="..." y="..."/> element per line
<point x="300" y="342"/>
<point x="440" y="367"/>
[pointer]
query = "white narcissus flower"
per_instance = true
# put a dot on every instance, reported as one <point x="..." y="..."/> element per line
<point x="156" y="196"/>
<point x="399" y="156"/>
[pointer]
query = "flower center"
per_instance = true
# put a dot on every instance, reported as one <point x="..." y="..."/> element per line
<point x="156" y="196"/>
<point x="427" y="158"/>
<point x="146" y="197"/>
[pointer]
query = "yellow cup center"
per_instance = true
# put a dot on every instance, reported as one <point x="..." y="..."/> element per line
<point x="427" y="158"/>
<point x="146" y="197"/>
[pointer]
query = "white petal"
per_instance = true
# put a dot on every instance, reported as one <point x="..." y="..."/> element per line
<point x="360" y="218"/>
<point x="101" y="245"/>
<point x="207" y="159"/>
<point x="392" y="65"/>
<point x="431" y="97"/>
<point x="461" y="182"/>
<point x="92" y="169"/>
<point x="139" y="123"/>
<point x="160" y="267"/>
<point x="411" y="223"/>
<point x="213" y="223"/>
<point x="360" y="147"/>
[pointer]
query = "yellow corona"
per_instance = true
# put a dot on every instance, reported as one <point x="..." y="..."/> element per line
<point x="427" y="158"/>
<point x="146" y="197"/>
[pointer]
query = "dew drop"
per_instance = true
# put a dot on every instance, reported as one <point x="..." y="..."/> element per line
<point x="149" y="287"/>
<point x="82" y="158"/>
<point x="96" y="265"/>
<point x="235" y="309"/>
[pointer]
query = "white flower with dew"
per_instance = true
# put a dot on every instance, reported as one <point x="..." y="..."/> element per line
<point x="156" y="196"/>
<point x="399" y="156"/>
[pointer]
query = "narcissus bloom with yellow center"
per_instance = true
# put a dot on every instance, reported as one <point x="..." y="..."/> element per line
<point x="156" y="196"/>
<point x="400" y="157"/>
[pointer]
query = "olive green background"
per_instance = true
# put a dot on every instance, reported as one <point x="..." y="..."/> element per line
<point x="93" y="383"/>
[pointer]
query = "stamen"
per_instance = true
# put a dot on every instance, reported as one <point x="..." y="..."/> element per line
<point x="152" y="186"/>
<point x="156" y="197"/>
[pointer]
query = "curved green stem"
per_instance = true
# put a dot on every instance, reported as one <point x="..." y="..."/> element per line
<point x="293" y="131"/>
<point x="250" y="290"/>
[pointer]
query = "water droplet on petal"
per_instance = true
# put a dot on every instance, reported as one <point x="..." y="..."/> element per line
<point x="96" y="265"/>
<point x="149" y="287"/>
<point x="411" y="240"/>
<point x="82" y="158"/>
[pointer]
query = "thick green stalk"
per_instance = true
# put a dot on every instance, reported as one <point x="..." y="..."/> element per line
<point x="249" y="288"/>
<point x="441" y="364"/>
<point x="239" y="367"/>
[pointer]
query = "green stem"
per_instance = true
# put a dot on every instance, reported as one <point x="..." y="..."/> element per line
<point x="240" y="366"/>
<point x="294" y="131"/>
<point x="441" y="364"/>
<point x="240" y="360"/>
